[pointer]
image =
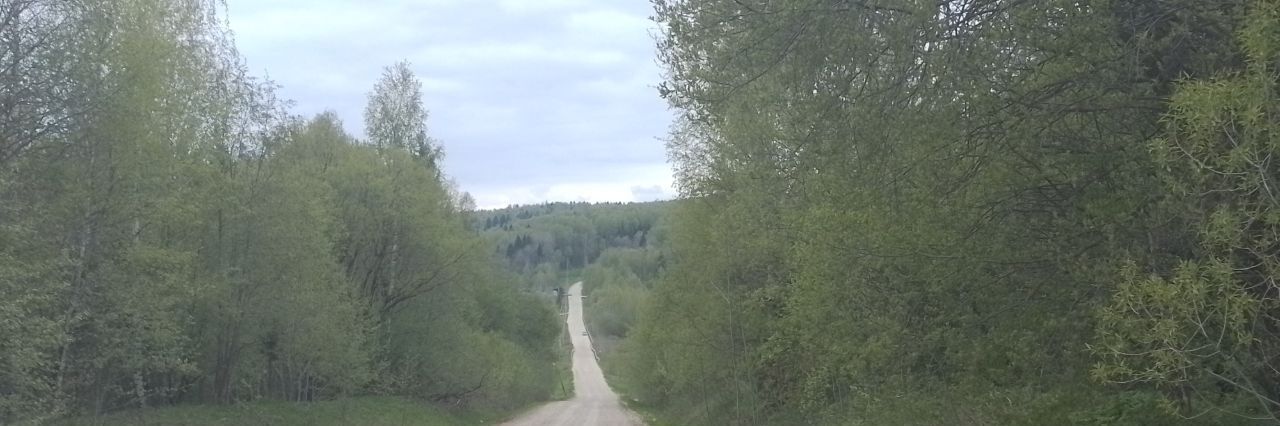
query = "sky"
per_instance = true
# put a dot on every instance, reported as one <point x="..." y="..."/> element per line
<point x="533" y="100"/>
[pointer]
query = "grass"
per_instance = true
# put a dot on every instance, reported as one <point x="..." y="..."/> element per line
<point x="372" y="411"/>
<point x="563" y="388"/>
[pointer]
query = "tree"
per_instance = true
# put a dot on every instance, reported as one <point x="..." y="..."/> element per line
<point x="395" y="117"/>
<point x="1208" y="330"/>
<point x="899" y="212"/>
<point x="39" y="98"/>
<point x="170" y="234"/>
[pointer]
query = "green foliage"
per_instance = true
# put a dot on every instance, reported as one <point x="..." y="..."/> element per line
<point x="562" y="389"/>
<point x="915" y="213"/>
<point x="545" y="242"/>
<point x="374" y="411"/>
<point x="169" y="234"/>
<point x="1204" y="333"/>
<point x="618" y="285"/>
<point x="30" y="333"/>
<point x="1195" y="314"/>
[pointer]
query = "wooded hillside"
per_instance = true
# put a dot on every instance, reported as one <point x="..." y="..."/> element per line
<point x="548" y="243"/>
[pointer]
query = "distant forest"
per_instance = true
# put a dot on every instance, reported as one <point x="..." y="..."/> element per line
<point x="546" y="243"/>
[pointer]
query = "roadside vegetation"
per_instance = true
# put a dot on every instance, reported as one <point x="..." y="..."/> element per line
<point x="367" y="410"/>
<point x="171" y="235"/>
<point x="965" y="212"/>
<point x="618" y="251"/>
<point x="562" y="387"/>
<point x="892" y="212"/>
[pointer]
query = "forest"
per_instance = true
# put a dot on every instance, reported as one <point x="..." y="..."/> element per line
<point x="618" y="250"/>
<point x="960" y="212"/>
<point x="551" y="244"/>
<point x="171" y="234"/>
<point x="890" y="212"/>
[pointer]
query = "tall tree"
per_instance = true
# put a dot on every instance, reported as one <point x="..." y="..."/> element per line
<point x="395" y="117"/>
<point x="38" y="98"/>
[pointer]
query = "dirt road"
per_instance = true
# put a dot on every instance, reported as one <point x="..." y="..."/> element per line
<point x="593" y="402"/>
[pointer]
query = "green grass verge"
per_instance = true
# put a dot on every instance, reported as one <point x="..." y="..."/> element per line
<point x="562" y="389"/>
<point x="372" y="411"/>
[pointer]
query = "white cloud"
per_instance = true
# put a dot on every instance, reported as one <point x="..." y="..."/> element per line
<point x="643" y="184"/>
<point x="439" y="85"/>
<point x="534" y="100"/>
<point x="538" y="6"/>
<point x="633" y="86"/>
<point x="611" y="24"/>
<point x="318" y="21"/>
<point x="463" y="55"/>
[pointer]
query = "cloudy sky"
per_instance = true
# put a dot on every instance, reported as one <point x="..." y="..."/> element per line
<point x="534" y="100"/>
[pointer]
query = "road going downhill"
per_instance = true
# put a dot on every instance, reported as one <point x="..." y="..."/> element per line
<point x="593" y="402"/>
